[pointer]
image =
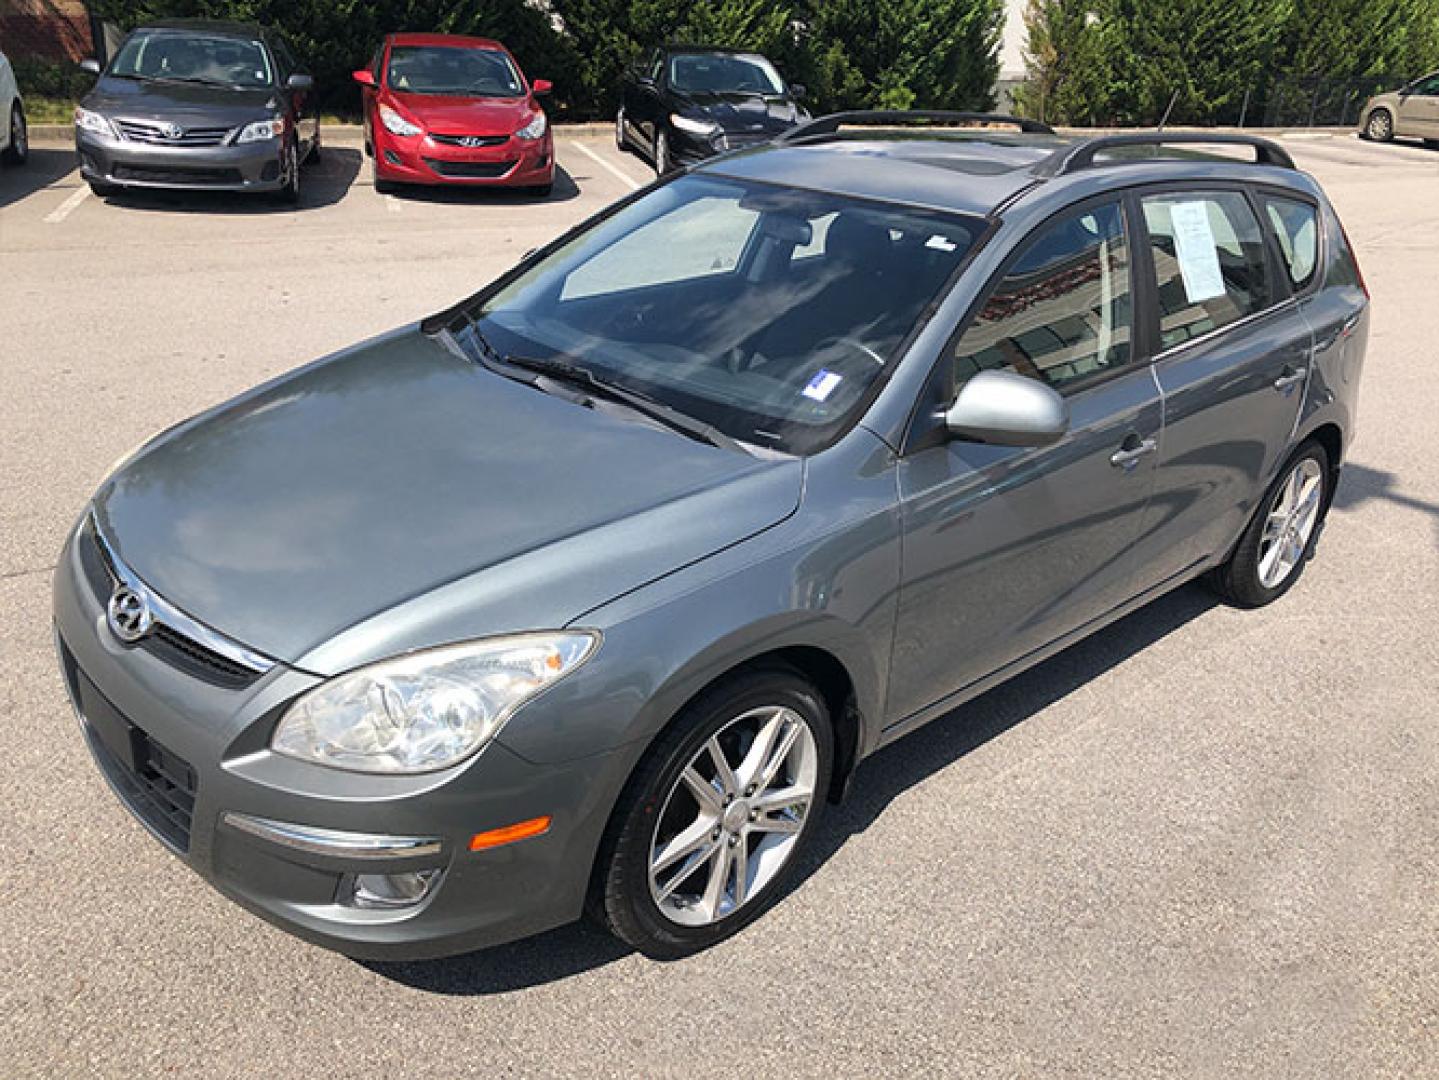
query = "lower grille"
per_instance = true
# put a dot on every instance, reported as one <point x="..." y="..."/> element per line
<point x="469" y="141"/>
<point x="470" y="170"/>
<point x="153" y="781"/>
<point x="177" y="174"/>
<point x="736" y="142"/>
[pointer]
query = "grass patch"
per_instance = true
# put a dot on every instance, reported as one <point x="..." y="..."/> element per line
<point x="44" y="110"/>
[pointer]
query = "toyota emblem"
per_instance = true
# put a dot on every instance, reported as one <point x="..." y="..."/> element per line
<point x="128" y="614"/>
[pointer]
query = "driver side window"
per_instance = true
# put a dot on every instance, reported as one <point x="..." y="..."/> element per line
<point x="1062" y="313"/>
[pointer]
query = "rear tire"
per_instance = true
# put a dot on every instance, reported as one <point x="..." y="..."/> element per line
<point x="1281" y="538"/>
<point x="316" y="154"/>
<point x="1380" y="126"/>
<point x="18" y="152"/>
<point x="734" y="834"/>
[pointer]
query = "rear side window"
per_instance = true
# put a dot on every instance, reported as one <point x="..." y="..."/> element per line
<point x="1062" y="312"/>
<point x="1209" y="262"/>
<point x="1295" y="226"/>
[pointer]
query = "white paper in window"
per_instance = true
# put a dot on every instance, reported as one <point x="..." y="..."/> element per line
<point x="1197" y="253"/>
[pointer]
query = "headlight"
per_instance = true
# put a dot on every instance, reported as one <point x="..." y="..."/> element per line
<point x="261" y="130"/>
<point x="534" y="129"/>
<point x="428" y="710"/>
<point x="86" y="120"/>
<point x="694" y="127"/>
<point x="396" y="124"/>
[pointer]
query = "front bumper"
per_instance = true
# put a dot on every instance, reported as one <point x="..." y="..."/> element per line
<point x="419" y="159"/>
<point x="189" y="759"/>
<point x="255" y="166"/>
<point x="690" y="149"/>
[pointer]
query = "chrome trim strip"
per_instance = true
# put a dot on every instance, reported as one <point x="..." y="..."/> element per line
<point x="332" y="842"/>
<point x="173" y="617"/>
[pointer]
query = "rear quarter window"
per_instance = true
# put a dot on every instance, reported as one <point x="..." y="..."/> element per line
<point x="1295" y="226"/>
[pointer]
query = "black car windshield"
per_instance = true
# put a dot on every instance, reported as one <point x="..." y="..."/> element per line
<point x="449" y="70"/>
<point x="719" y="73"/>
<point x="185" y="57"/>
<point x="765" y="312"/>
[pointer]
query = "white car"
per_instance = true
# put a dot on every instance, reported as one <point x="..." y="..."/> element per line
<point x="14" y="138"/>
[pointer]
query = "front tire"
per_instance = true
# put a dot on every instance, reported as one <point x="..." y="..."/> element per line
<point x="1281" y="538"/>
<point x="1380" y="126"/>
<point x="18" y="152"/>
<point x="289" y="195"/>
<point x="713" y="823"/>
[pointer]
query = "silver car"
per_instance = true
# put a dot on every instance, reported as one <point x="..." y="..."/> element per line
<point x="1411" y="112"/>
<point x="591" y="591"/>
<point x="14" y="134"/>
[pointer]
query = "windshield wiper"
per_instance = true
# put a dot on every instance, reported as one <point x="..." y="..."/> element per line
<point x="194" y="79"/>
<point x="572" y="374"/>
<point x="566" y="371"/>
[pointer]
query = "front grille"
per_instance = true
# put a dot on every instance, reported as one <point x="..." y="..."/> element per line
<point x="163" y="642"/>
<point x="157" y="784"/>
<point x="175" y="174"/>
<point x="156" y="133"/>
<point x="470" y="141"/>
<point x="470" y="170"/>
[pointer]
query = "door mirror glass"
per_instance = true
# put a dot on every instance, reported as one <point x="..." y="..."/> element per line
<point x="92" y="66"/>
<point x="300" y="83"/>
<point x="1005" y="409"/>
<point x="364" y="77"/>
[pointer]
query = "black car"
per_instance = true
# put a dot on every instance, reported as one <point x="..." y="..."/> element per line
<point x="682" y="104"/>
<point x="199" y="105"/>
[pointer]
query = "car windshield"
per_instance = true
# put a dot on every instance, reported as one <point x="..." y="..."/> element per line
<point x="461" y="72"/>
<point x="183" y="57"/>
<point x="724" y="73"/>
<point x="764" y="312"/>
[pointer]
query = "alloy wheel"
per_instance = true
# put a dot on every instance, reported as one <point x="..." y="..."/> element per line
<point x="662" y="154"/>
<point x="1380" y="126"/>
<point x="620" y="129"/>
<point x="1290" y="523"/>
<point x="19" y="135"/>
<point x="734" y="816"/>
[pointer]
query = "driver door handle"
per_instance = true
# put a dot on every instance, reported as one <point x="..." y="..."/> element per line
<point x="1132" y="449"/>
<point x="1292" y="375"/>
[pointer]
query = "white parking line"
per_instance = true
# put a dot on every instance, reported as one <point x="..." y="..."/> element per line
<point x="393" y="205"/>
<point x="633" y="185"/>
<point x="66" y="208"/>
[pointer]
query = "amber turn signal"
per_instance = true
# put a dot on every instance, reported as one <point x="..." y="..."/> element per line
<point x="522" y="830"/>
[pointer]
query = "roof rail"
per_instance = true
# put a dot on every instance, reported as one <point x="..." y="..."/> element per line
<point x="829" y="125"/>
<point x="1081" y="155"/>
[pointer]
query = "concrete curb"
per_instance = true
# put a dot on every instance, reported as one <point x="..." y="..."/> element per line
<point x="345" y="134"/>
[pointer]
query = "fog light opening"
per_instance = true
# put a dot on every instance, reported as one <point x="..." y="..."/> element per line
<point x="390" y="891"/>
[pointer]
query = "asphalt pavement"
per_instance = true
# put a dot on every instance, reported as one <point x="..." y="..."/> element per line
<point x="1202" y="843"/>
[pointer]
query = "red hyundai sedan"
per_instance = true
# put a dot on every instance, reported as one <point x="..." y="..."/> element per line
<point x="443" y="109"/>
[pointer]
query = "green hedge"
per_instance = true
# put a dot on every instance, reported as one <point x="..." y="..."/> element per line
<point x="1123" y="61"/>
<point x="848" y="53"/>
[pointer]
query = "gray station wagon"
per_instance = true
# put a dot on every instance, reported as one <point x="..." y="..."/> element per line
<point x="588" y="593"/>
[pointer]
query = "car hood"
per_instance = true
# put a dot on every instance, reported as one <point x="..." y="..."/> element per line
<point x="181" y="102"/>
<point x="743" y="112"/>
<point x="466" y="115"/>
<point x="313" y="518"/>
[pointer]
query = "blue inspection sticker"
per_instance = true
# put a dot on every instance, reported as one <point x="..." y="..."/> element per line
<point x="822" y="385"/>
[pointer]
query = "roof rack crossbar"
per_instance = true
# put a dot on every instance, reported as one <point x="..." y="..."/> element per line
<point x="1082" y="154"/>
<point x="830" y="125"/>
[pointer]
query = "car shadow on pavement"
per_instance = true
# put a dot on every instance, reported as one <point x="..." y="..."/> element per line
<point x="564" y="190"/>
<point x="1359" y="483"/>
<point x="322" y="183"/>
<point x="572" y="950"/>
<point x="46" y="166"/>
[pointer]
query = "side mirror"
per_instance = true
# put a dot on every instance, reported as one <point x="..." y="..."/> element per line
<point x="92" y="66"/>
<point x="797" y="91"/>
<point x="365" y="77"/>
<point x="301" y="84"/>
<point x="1005" y="409"/>
<point x="541" y="87"/>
